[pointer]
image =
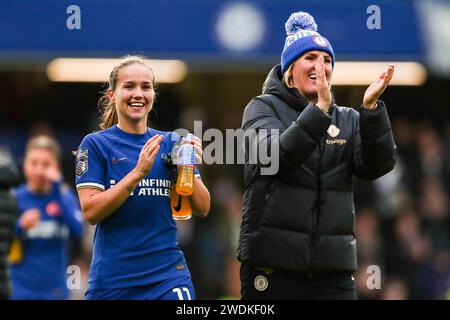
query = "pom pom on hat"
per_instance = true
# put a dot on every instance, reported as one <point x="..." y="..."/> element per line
<point x="302" y="36"/>
<point x="300" y="21"/>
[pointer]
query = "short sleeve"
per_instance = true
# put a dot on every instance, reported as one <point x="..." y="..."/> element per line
<point x="90" y="164"/>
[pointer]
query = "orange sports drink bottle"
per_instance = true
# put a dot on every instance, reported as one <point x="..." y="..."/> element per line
<point x="181" y="207"/>
<point x="185" y="182"/>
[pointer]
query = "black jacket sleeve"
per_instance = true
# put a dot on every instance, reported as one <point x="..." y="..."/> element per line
<point x="295" y="143"/>
<point x="374" y="147"/>
<point x="9" y="174"/>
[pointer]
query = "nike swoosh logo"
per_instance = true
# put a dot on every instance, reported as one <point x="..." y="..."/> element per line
<point x="178" y="206"/>
<point x="115" y="160"/>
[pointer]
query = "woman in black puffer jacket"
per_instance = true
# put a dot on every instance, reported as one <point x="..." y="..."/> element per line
<point x="297" y="237"/>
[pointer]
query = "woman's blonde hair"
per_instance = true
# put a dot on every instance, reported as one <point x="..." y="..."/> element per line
<point x="44" y="142"/>
<point x="288" y="77"/>
<point x="106" y="106"/>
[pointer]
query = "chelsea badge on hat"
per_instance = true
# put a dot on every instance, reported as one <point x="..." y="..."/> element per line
<point x="320" y="41"/>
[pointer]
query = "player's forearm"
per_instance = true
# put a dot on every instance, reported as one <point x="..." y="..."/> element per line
<point x="200" y="199"/>
<point x="101" y="205"/>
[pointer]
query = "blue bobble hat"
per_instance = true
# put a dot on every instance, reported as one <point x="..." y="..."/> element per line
<point x="302" y="36"/>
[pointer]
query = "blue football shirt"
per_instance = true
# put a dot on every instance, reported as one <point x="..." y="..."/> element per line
<point x="41" y="274"/>
<point x="137" y="244"/>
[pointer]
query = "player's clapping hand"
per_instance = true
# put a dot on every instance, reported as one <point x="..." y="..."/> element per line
<point x="30" y="219"/>
<point x="147" y="155"/>
<point x="53" y="174"/>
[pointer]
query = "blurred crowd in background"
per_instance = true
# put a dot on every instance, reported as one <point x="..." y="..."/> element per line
<point x="403" y="222"/>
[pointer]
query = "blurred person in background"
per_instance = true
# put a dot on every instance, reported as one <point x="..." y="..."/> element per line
<point x="136" y="254"/>
<point x="9" y="177"/>
<point x="49" y="213"/>
<point x="409" y="255"/>
<point x="297" y="238"/>
<point x="405" y="140"/>
<point x="395" y="289"/>
<point x="415" y="234"/>
<point x="370" y="243"/>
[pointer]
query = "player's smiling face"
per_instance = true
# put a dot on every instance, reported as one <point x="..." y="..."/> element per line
<point x="134" y="93"/>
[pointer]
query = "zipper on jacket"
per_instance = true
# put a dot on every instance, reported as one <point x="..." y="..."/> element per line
<point x="316" y="213"/>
